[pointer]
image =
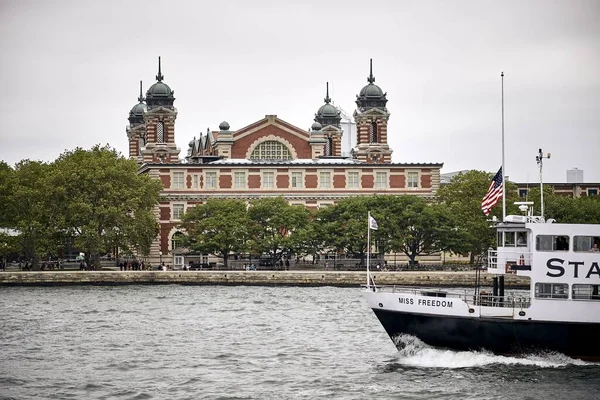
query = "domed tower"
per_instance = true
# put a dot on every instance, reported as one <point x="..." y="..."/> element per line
<point x="328" y="116"/>
<point x="371" y="116"/>
<point x="136" y="130"/>
<point x="159" y="120"/>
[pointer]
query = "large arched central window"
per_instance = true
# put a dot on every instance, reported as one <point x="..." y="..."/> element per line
<point x="271" y="150"/>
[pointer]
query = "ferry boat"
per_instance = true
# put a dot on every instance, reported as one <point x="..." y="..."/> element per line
<point x="560" y="312"/>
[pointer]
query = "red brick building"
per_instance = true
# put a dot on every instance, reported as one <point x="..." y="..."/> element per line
<point x="269" y="157"/>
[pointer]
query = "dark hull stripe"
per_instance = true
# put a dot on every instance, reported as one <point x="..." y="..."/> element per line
<point x="500" y="336"/>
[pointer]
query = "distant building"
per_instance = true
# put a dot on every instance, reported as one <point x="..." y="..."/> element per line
<point x="447" y="177"/>
<point x="571" y="189"/>
<point x="564" y="189"/>
<point x="269" y="157"/>
<point x="575" y="175"/>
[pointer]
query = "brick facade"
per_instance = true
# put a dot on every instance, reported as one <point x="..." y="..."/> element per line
<point x="310" y="171"/>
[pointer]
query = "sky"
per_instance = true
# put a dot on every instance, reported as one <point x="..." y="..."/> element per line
<point x="71" y="72"/>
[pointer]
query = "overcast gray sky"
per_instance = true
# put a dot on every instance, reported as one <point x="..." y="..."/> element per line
<point x="71" y="71"/>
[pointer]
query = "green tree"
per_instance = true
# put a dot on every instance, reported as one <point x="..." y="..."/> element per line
<point x="345" y="225"/>
<point x="566" y="209"/>
<point x="310" y="239"/>
<point x="274" y="222"/>
<point x="7" y="188"/>
<point x="103" y="202"/>
<point x="463" y="197"/>
<point x="30" y="211"/>
<point x="219" y="227"/>
<point x="420" y="228"/>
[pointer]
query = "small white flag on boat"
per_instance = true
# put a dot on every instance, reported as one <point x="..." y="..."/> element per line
<point x="372" y="223"/>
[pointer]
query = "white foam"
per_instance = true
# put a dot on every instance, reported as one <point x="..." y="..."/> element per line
<point x="415" y="353"/>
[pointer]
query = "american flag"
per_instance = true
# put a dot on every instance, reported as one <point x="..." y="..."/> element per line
<point x="493" y="194"/>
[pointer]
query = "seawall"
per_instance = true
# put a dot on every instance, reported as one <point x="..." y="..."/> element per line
<point x="264" y="278"/>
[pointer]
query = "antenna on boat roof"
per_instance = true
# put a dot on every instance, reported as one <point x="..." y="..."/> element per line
<point x="539" y="159"/>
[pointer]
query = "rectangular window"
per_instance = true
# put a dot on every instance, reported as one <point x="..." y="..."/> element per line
<point x="268" y="180"/>
<point x="523" y="192"/>
<point x="353" y="180"/>
<point x="325" y="180"/>
<point x="412" y="179"/>
<point x="521" y="239"/>
<point x="586" y="292"/>
<point x="178" y="261"/>
<point x="195" y="181"/>
<point x="551" y="243"/>
<point x="381" y="180"/>
<point x="177" y="211"/>
<point x="239" y="180"/>
<point x="586" y="243"/>
<point x="178" y="180"/>
<point x="592" y="192"/>
<point x="509" y="239"/>
<point x="551" y="290"/>
<point x="297" y="180"/>
<point x="211" y="180"/>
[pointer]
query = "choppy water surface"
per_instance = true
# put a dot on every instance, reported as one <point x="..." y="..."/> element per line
<point x="191" y="342"/>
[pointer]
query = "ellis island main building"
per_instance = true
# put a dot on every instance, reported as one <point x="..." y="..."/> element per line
<point x="269" y="157"/>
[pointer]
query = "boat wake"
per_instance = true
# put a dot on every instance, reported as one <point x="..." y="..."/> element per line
<point x="413" y="352"/>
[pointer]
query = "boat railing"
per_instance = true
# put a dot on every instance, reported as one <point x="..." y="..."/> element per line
<point x="492" y="259"/>
<point x="489" y="300"/>
<point x="514" y="259"/>
<point x="466" y="295"/>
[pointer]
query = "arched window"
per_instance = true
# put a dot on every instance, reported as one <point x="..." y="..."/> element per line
<point x="160" y="132"/>
<point x="271" y="150"/>
<point x="373" y="134"/>
<point x="176" y="240"/>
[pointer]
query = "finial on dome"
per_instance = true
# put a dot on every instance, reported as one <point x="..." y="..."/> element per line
<point x="141" y="98"/>
<point x="160" y="76"/>
<point x="327" y="99"/>
<point x="224" y="126"/>
<point x="371" y="78"/>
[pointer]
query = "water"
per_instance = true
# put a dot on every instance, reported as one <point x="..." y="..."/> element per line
<point x="193" y="342"/>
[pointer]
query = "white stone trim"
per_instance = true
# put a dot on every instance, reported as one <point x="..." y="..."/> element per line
<point x="419" y="173"/>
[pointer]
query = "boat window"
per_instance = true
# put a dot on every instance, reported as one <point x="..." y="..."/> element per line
<point x="521" y="239"/>
<point x="551" y="290"/>
<point x="586" y="243"/>
<point x="509" y="239"/>
<point x="586" y="292"/>
<point x="551" y="243"/>
<point x="500" y="241"/>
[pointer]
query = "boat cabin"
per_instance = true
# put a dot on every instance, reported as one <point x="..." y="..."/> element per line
<point x="562" y="260"/>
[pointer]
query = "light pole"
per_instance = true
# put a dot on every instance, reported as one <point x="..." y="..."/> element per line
<point x="160" y="257"/>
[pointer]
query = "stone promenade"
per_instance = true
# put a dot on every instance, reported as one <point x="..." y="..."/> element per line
<point x="265" y="278"/>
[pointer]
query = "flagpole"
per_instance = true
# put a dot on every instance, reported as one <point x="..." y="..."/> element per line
<point x="503" y="169"/>
<point x="368" y="248"/>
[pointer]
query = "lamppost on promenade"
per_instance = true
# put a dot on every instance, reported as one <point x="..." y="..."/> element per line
<point x="160" y="257"/>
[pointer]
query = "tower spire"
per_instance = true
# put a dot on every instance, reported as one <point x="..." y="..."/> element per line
<point x="371" y="78"/>
<point x="327" y="99"/>
<point x="160" y="76"/>
<point x="141" y="98"/>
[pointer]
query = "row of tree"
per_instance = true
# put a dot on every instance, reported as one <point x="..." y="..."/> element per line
<point x="96" y="200"/>
<point x="93" y="199"/>
<point x="453" y="222"/>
